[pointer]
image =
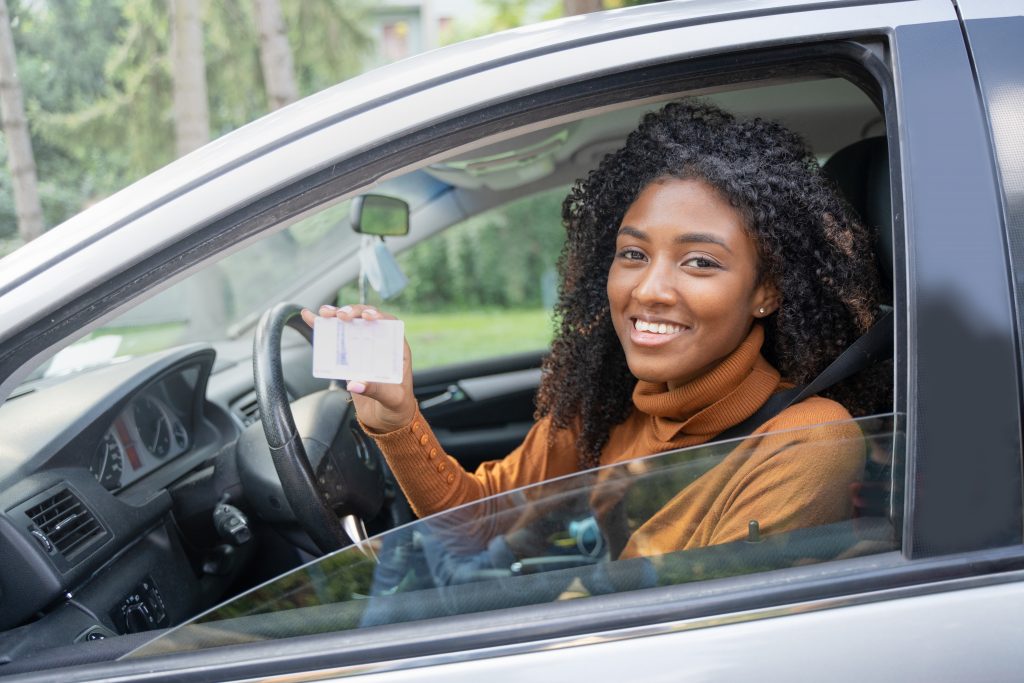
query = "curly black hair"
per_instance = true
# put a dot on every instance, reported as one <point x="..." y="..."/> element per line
<point x="810" y="244"/>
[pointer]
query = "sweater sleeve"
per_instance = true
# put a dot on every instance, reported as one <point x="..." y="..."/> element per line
<point x="434" y="481"/>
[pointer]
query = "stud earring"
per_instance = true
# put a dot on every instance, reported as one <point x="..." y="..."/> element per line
<point x="761" y="310"/>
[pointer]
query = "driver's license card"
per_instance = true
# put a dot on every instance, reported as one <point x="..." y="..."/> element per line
<point x="367" y="350"/>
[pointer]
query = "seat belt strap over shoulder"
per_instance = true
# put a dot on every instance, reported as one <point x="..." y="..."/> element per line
<point x="872" y="346"/>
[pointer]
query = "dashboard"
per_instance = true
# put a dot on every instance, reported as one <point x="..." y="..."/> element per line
<point x="89" y="534"/>
<point x="110" y="483"/>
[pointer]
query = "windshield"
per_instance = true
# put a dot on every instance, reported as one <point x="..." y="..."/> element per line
<point x="583" y="535"/>
<point x="222" y="301"/>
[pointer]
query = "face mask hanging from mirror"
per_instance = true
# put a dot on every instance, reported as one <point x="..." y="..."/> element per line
<point x="379" y="267"/>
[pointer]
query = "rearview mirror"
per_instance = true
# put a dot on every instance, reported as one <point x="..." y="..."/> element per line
<point x="374" y="214"/>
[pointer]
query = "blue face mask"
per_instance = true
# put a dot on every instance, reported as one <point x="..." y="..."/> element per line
<point x="380" y="269"/>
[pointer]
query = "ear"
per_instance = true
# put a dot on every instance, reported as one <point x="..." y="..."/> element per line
<point x="766" y="300"/>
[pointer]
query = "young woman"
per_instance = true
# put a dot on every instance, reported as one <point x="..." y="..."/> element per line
<point x="708" y="263"/>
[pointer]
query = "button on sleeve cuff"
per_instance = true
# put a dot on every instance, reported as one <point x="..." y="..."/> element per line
<point x="429" y="477"/>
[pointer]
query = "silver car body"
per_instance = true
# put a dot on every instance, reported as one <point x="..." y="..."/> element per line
<point x="937" y="624"/>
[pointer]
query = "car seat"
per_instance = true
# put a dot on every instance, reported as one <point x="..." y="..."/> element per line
<point x="861" y="173"/>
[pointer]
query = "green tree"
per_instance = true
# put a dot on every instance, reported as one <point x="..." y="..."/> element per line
<point x="276" y="61"/>
<point x="62" y="48"/>
<point x="330" y="40"/>
<point x="20" y="158"/>
<point x="496" y="260"/>
<point x="98" y="88"/>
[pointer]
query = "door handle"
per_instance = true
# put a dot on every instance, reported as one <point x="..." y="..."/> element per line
<point x="450" y="395"/>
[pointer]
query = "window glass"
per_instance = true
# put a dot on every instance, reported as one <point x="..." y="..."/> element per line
<point x="625" y="527"/>
<point x="484" y="287"/>
<point x="220" y="301"/>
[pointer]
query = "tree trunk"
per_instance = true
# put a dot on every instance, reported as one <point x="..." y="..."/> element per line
<point x="571" y="7"/>
<point x="275" y="55"/>
<point x="191" y="111"/>
<point x="19" y="145"/>
<point x="207" y="312"/>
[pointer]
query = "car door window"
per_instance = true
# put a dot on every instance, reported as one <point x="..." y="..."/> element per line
<point x="609" y="530"/>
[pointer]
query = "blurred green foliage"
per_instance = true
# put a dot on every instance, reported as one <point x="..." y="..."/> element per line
<point x="482" y="288"/>
<point x="97" y="85"/>
<point x="499" y="260"/>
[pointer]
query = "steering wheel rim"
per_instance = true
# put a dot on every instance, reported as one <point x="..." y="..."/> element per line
<point x="286" y="448"/>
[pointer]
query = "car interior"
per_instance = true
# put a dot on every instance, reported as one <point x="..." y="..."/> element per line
<point x="141" y="492"/>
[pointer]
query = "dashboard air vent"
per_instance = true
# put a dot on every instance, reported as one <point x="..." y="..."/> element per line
<point x="248" y="410"/>
<point x="65" y="521"/>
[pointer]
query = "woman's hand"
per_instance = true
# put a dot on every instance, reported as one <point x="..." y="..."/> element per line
<point x="381" y="407"/>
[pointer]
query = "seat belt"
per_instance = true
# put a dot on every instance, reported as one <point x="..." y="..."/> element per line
<point x="872" y="346"/>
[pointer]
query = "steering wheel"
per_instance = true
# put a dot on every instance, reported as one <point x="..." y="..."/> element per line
<point x="325" y="472"/>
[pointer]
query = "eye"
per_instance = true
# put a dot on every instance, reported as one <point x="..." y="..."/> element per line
<point x="701" y="262"/>
<point x="631" y="254"/>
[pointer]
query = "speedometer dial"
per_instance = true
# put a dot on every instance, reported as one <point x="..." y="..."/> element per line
<point x="153" y="425"/>
<point x="108" y="462"/>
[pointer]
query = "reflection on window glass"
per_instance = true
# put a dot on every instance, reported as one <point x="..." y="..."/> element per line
<point x="570" y="538"/>
<point x="211" y="304"/>
<point x="482" y="288"/>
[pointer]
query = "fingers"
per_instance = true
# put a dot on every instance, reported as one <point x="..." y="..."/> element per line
<point x="308" y="316"/>
<point x="354" y="311"/>
<point x="382" y="407"/>
<point x="350" y="312"/>
<point x="388" y="395"/>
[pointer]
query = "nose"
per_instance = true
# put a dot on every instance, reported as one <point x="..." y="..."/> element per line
<point x="657" y="284"/>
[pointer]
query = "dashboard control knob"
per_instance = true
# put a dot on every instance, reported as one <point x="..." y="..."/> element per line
<point x="137" y="619"/>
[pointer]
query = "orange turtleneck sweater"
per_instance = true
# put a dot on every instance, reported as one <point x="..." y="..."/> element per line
<point x="798" y="475"/>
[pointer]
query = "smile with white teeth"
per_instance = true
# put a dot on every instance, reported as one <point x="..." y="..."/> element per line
<point x="656" y="328"/>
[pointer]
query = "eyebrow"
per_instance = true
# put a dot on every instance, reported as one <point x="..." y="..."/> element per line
<point x="685" y="238"/>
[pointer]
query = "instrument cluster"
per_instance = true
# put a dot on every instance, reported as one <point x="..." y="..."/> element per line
<point x="147" y="433"/>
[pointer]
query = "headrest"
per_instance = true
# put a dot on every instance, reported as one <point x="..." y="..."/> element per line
<point x="861" y="171"/>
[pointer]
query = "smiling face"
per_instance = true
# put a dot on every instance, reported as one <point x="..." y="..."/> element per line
<point x="683" y="286"/>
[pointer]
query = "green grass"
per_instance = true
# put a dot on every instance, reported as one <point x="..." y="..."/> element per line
<point x="444" y="338"/>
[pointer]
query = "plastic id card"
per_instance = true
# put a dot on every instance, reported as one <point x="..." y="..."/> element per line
<point x="367" y="350"/>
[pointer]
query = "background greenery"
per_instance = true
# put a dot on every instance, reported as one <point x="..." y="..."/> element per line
<point x="96" y="80"/>
<point x="483" y="287"/>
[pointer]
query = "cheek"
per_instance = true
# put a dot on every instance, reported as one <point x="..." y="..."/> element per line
<point x="723" y="300"/>
<point x="618" y="288"/>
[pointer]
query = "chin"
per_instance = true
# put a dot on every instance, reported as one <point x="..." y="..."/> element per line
<point x="647" y="374"/>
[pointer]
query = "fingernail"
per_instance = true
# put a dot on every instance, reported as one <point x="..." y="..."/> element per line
<point x="346" y="309"/>
<point x="326" y="310"/>
<point x="371" y="313"/>
<point x="356" y="387"/>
